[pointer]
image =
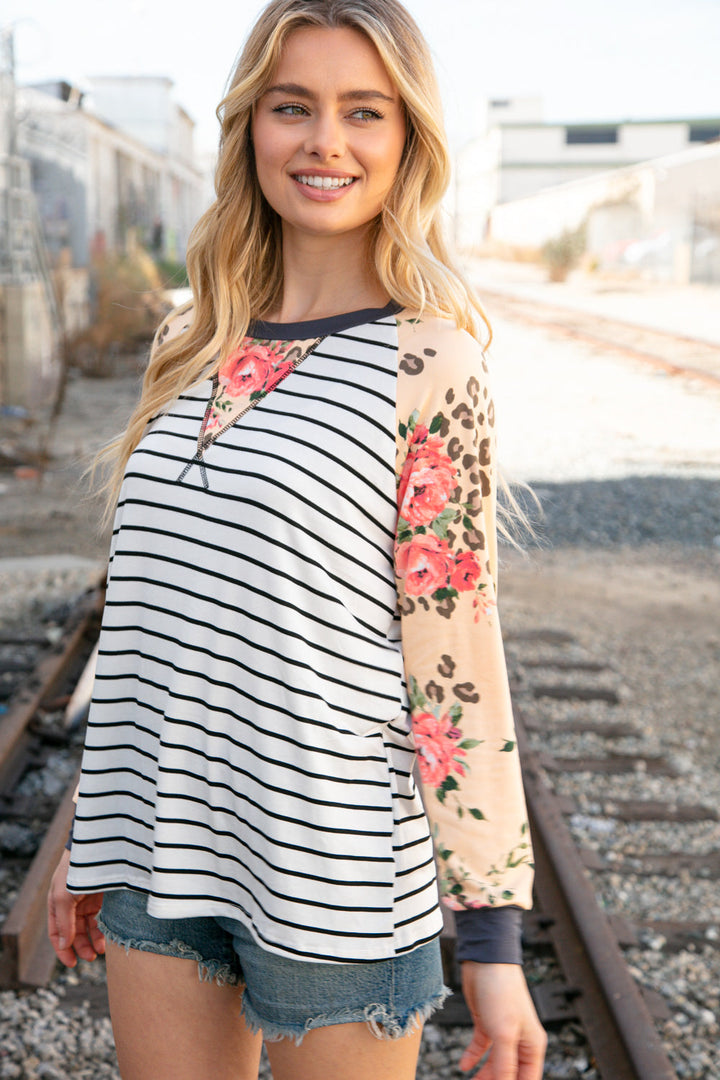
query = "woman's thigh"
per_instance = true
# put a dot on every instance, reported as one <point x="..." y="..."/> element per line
<point x="341" y="1021"/>
<point x="168" y="1025"/>
<point x="345" y="1052"/>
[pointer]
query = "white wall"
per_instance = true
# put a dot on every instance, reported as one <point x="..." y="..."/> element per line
<point x="100" y="181"/>
<point x="645" y="141"/>
<point x="641" y="218"/>
<point x="140" y="106"/>
<point x="514" y="161"/>
<point x="31" y="365"/>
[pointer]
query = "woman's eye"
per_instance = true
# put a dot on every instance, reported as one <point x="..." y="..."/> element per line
<point x="290" y="110"/>
<point x="367" y="114"/>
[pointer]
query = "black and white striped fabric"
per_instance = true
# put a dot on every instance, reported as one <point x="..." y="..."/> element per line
<point x="249" y="750"/>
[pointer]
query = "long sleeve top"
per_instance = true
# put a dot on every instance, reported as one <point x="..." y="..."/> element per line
<point x="301" y="607"/>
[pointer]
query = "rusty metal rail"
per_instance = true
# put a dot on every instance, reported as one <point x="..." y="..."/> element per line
<point x="27" y="958"/>
<point x="604" y="995"/>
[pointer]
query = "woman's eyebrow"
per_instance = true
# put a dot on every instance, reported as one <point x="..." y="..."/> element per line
<point x="347" y="95"/>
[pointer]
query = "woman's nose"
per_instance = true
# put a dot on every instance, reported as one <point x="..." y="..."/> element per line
<point x="325" y="138"/>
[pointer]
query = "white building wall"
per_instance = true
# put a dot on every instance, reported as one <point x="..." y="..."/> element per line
<point x="140" y="106"/>
<point x="476" y="188"/>
<point x="108" y="188"/>
<point x="538" y="144"/>
<point x="181" y="137"/>
<point x="520" y="156"/>
<point x="644" y="141"/>
<point x="517" y="183"/>
<point x="642" y="219"/>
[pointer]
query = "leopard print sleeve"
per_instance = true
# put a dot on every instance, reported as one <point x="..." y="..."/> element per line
<point x="445" y="565"/>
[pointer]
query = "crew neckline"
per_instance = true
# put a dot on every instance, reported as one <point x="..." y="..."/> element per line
<point x="331" y="324"/>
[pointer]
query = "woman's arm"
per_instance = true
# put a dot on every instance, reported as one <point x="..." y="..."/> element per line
<point x="461" y="713"/>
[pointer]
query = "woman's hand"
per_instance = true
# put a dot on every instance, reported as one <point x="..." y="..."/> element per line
<point x="505" y="1023"/>
<point x="72" y="922"/>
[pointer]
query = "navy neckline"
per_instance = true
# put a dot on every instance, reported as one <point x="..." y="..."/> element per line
<point x="332" y="324"/>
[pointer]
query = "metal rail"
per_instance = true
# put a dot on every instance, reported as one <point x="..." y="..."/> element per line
<point x="616" y="1020"/>
<point x="27" y="958"/>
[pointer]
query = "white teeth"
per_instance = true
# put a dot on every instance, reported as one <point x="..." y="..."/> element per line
<point x="325" y="181"/>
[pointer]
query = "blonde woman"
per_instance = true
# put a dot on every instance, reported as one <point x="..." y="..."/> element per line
<point x="301" y="606"/>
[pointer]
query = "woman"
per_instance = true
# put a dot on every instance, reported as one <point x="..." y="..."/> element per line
<point x="300" y="602"/>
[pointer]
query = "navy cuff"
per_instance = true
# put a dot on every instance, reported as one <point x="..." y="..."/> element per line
<point x="489" y="935"/>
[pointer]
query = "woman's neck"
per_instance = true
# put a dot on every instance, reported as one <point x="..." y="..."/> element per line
<point x="325" y="276"/>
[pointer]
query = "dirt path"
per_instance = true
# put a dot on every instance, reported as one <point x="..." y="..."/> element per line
<point x="52" y="511"/>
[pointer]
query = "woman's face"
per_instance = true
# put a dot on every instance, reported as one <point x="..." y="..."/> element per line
<point x="329" y="133"/>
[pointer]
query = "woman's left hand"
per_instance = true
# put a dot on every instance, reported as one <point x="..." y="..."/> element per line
<point x="505" y="1023"/>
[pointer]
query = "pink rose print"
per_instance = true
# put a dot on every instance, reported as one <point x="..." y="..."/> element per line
<point x="247" y="369"/>
<point x="425" y="562"/>
<point x="419" y="435"/>
<point x="466" y="572"/>
<point x="281" y="372"/>
<point x="436" y="741"/>
<point x="428" y="480"/>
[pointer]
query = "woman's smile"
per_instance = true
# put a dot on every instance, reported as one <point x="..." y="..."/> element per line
<point x="323" y="186"/>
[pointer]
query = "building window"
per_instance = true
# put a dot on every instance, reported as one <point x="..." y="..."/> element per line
<point x="591" y="134"/>
<point x="704" y="132"/>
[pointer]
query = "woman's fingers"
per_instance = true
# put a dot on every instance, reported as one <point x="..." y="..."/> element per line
<point x="61" y="923"/>
<point x="89" y="938"/>
<point x="475" y="1050"/>
<point x="72" y="920"/>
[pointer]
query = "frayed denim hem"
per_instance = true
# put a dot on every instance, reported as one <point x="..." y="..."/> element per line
<point x="382" y="1021"/>
<point x="217" y="971"/>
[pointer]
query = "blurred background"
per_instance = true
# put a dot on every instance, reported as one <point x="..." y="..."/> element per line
<point x="584" y="137"/>
<point x="585" y="198"/>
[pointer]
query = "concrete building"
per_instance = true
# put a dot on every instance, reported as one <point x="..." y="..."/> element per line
<point x="659" y="219"/>
<point x="99" y="185"/>
<point x="520" y="154"/>
<point x="75" y="183"/>
<point x="143" y="106"/>
<point x="28" y="315"/>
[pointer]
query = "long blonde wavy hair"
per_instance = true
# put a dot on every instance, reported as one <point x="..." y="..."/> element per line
<point x="234" y="257"/>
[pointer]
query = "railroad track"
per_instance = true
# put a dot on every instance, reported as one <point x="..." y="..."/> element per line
<point x="674" y="354"/>
<point x="552" y="674"/>
<point x="38" y="730"/>
<point x="621" y="1021"/>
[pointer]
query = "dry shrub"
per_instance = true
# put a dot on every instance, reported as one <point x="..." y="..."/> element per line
<point x="127" y="304"/>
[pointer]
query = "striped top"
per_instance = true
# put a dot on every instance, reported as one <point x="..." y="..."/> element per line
<point x="301" y="602"/>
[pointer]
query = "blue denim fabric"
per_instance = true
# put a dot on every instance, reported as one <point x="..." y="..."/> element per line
<point x="281" y="997"/>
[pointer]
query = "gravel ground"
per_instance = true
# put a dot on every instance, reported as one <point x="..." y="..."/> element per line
<point x="651" y="614"/>
<point x="626" y="463"/>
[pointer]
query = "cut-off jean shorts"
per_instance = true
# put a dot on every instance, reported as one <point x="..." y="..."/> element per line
<point x="285" y="998"/>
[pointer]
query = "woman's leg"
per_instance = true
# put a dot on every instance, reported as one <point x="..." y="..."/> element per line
<point x="170" y="1026"/>
<point x="345" y="1052"/>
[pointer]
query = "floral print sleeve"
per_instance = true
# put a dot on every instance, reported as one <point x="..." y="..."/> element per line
<point x="445" y="564"/>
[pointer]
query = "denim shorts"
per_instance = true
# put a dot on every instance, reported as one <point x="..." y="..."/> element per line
<point x="281" y="997"/>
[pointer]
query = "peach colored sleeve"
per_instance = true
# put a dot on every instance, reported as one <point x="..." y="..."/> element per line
<point x="446" y="570"/>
